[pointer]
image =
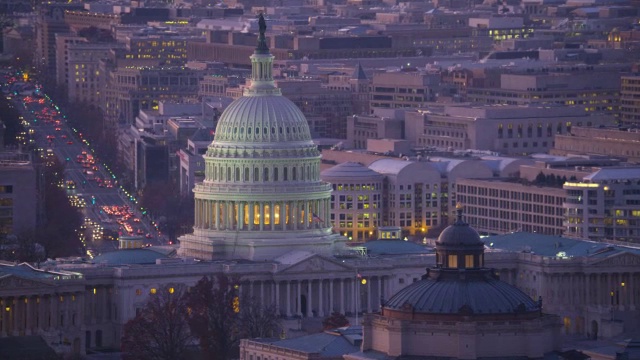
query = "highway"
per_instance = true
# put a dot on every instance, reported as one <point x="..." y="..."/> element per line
<point x="88" y="182"/>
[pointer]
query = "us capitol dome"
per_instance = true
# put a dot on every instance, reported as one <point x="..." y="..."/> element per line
<point x="460" y="310"/>
<point x="262" y="195"/>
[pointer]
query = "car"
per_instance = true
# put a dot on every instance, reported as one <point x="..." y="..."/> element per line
<point x="136" y="220"/>
<point x="148" y="236"/>
<point x="64" y="136"/>
<point x="58" y="129"/>
<point x="70" y="142"/>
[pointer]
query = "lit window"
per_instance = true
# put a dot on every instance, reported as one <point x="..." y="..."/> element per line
<point x="468" y="261"/>
<point x="152" y="291"/>
<point x="95" y="291"/>
<point x="453" y="261"/>
<point x="138" y="292"/>
<point x="171" y="290"/>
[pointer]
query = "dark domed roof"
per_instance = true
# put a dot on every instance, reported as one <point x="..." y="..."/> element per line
<point x="474" y="293"/>
<point x="459" y="233"/>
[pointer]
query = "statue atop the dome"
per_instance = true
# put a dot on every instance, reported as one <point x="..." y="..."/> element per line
<point x="262" y="25"/>
<point x="262" y="47"/>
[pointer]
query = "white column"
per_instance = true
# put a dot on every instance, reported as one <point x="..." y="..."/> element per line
<point x="241" y="215"/>
<point x="320" y="295"/>
<point x="261" y="213"/>
<point x="288" y="312"/>
<point x="306" y="215"/>
<point x="331" y="299"/>
<point x="216" y="212"/>
<point x="261" y="291"/>
<point x="299" y="299"/>
<point x="29" y="314"/>
<point x="295" y="215"/>
<point x="276" y="292"/>
<point x="342" y="296"/>
<point x="272" y="218"/>
<point x="251" y="214"/>
<point x="380" y="296"/>
<point x="309" y="299"/>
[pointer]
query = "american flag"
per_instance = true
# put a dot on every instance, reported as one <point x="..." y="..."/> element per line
<point x="317" y="218"/>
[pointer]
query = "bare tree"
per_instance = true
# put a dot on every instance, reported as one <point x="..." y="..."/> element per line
<point x="160" y="331"/>
<point x="220" y="317"/>
<point x="258" y="320"/>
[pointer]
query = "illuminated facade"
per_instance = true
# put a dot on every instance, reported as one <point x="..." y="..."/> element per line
<point x="262" y="195"/>
<point x="605" y="205"/>
<point x="356" y="200"/>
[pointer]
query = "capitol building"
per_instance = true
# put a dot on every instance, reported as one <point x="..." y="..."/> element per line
<point x="263" y="216"/>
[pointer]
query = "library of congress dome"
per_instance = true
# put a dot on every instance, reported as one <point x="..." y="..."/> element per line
<point x="460" y="310"/>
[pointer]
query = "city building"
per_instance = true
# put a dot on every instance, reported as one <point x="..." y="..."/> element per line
<point x="604" y="205"/>
<point x="18" y="198"/>
<point x="500" y="206"/>
<point x="630" y="101"/>
<point x="50" y="304"/>
<point x="192" y="161"/>
<point x="82" y="74"/>
<point x="505" y="129"/>
<point x="129" y="90"/>
<point x="381" y="124"/>
<point x="593" y="87"/>
<point x="402" y="89"/>
<point x="49" y="23"/>
<point x="325" y="109"/>
<point x="611" y="142"/>
<point x="356" y="200"/>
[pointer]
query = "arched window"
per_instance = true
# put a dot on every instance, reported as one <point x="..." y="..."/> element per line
<point x="265" y="174"/>
<point x="285" y="174"/>
<point x="228" y="173"/>
<point x="275" y="173"/>
<point x="246" y="174"/>
<point x="294" y="173"/>
<point x="215" y="173"/>
<point x="257" y="130"/>
<point x="256" y="174"/>
<point x="237" y="174"/>
<point x="249" y="131"/>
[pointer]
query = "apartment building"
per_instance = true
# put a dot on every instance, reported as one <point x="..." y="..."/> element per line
<point x="506" y="129"/>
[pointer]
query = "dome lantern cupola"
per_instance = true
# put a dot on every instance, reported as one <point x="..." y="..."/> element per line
<point x="261" y="66"/>
<point x="459" y="246"/>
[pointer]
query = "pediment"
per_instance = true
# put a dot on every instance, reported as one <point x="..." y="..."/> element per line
<point x="13" y="282"/>
<point x="621" y="259"/>
<point x="314" y="264"/>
